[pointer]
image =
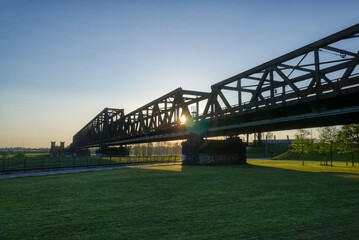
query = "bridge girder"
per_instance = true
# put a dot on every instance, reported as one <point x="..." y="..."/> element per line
<point x="315" y="85"/>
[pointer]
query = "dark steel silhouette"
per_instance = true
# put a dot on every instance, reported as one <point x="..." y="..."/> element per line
<point x="316" y="85"/>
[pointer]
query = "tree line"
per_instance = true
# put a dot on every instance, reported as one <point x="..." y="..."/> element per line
<point x="163" y="148"/>
<point x="344" y="140"/>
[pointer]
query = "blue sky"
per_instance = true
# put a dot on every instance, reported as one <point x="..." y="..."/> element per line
<point x="62" y="62"/>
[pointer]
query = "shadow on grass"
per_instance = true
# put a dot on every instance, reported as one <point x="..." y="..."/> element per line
<point x="182" y="202"/>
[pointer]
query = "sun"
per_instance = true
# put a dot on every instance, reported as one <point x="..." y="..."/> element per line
<point x="183" y="119"/>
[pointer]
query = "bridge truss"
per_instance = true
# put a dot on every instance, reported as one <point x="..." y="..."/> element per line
<point x="317" y="78"/>
<point x="315" y="85"/>
<point x="166" y="114"/>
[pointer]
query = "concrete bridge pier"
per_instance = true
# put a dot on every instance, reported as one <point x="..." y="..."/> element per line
<point x="197" y="151"/>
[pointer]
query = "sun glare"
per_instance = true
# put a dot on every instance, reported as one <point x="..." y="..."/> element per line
<point x="183" y="119"/>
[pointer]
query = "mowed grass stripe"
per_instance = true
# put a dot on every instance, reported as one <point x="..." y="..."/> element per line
<point x="182" y="202"/>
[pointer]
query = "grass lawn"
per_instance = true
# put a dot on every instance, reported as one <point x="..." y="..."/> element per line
<point x="262" y="200"/>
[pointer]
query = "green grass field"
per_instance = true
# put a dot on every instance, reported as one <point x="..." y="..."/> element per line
<point x="261" y="200"/>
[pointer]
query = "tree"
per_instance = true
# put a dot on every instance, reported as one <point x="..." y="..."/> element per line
<point x="137" y="150"/>
<point x="20" y="155"/>
<point x="143" y="150"/>
<point x="302" y="143"/>
<point x="327" y="138"/>
<point x="5" y="154"/>
<point x="178" y="148"/>
<point x="352" y="133"/>
<point x="269" y="136"/>
<point x="345" y="145"/>
<point x="320" y="148"/>
<point x="149" y="149"/>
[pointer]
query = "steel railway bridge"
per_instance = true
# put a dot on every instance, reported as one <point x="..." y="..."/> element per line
<point x="316" y="85"/>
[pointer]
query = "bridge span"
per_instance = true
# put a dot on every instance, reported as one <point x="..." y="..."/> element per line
<point x="315" y="85"/>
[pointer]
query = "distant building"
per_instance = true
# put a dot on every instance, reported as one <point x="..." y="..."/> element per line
<point x="52" y="146"/>
<point x="57" y="151"/>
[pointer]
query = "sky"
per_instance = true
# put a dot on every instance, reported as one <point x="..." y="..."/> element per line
<point x="62" y="62"/>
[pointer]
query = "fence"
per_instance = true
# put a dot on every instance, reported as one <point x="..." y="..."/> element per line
<point x="46" y="162"/>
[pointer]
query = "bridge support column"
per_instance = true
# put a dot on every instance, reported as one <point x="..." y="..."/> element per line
<point x="197" y="151"/>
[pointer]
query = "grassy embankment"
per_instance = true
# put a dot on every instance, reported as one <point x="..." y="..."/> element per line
<point x="260" y="151"/>
<point x="261" y="200"/>
<point x="315" y="156"/>
<point x="35" y="160"/>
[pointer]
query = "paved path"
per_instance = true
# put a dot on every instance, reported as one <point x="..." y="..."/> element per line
<point x="77" y="170"/>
